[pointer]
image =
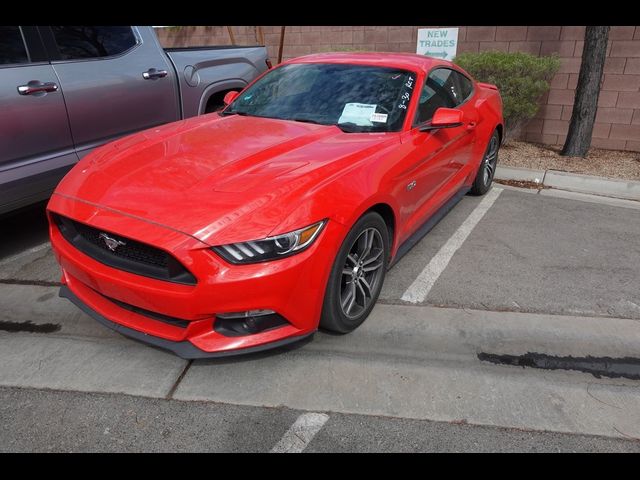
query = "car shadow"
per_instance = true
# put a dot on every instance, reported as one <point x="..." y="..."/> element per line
<point x="22" y="229"/>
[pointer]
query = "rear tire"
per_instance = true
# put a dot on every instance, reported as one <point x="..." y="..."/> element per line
<point x="357" y="275"/>
<point x="487" y="168"/>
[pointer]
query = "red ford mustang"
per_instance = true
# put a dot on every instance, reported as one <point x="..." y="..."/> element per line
<point x="250" y="228"/>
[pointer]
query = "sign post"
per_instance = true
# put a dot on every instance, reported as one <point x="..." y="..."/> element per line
<point x="438" y="42"/>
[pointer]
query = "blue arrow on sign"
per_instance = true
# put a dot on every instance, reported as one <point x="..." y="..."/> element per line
<point x="441" y="54"/>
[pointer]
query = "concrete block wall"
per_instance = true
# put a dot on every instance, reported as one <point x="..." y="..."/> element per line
<point x="618" y="119"/>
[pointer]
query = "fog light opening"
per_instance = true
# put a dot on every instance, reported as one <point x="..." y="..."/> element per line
<point x="250" y="322"/>
<point x="247" y="314"/>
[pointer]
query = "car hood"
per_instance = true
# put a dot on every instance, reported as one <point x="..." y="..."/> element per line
<point x="218" y="179"/>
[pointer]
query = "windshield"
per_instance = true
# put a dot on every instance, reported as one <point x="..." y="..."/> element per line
<point x="357" y="98"/>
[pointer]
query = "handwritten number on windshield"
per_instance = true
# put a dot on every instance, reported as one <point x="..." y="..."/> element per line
<point x="406" y="95"/>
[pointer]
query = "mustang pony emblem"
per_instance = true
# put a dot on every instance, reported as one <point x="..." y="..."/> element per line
<point x="111" y="243"/>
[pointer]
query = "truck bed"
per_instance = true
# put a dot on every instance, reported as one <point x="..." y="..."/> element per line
<point x="199" y="72"/>
<point x="209" y="47"/>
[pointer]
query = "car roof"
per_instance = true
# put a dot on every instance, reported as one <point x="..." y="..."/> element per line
<point x="406" y="61"/>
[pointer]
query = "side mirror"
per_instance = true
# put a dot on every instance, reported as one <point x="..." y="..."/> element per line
<point x="230" y="97"/>
<point x="444" y="118"/>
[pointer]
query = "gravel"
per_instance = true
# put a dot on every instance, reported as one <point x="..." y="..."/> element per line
<point x="599" y="162"/>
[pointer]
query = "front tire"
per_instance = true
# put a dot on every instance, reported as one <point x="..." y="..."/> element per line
<point x="487" y="169"/>
<point x="357" y="275"/>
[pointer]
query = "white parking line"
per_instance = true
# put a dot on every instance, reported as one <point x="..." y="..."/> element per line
<point x="296" y="439"/>
<point x="35" y="249"/>
<point x="421" y="286"/>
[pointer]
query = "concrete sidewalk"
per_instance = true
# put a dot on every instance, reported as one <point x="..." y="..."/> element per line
<point x="405" y="361"/>
<point x="422" y="363"/>
<point x="574" y="182"/>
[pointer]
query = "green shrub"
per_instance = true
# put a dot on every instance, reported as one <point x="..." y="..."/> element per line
<point x="521" y="77"/>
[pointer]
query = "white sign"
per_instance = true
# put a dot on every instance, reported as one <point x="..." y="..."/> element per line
<point x="438" y="42"/>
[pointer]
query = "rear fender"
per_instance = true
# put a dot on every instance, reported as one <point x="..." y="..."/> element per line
<point x="216" y="87"/>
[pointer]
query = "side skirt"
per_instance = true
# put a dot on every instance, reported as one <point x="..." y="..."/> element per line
<point x="433" y="220"/>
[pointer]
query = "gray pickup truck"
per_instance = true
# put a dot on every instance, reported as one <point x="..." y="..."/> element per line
<point x="65" y="90"/>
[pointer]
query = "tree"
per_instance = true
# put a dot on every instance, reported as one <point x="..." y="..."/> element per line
<point x="585" y="104"/>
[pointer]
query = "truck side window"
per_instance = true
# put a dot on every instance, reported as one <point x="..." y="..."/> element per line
<point x="76" y="42"/>
<point x="13" y="49"/>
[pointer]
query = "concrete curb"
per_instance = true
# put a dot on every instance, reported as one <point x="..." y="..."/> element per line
<point x="425" y="362"/>
<point x="520" y="174"/>
<point x="574" y="182"/>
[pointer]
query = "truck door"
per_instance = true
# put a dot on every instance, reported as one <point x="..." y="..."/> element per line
<point x="36" y="147"/>
<point x="116" y="80"/>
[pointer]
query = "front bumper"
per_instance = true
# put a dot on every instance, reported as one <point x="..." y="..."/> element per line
<point x="184" y="349"/>
<point x="293" y="287"/>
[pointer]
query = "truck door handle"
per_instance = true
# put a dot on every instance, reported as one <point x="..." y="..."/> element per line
<point x="36" y="86"/>
<point x="152" y="74"/>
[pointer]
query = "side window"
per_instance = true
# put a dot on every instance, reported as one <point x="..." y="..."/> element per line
<point x="465" y="86"/>
<point x="12" y="48"/>
<point x="446" y="79"/>
<point x="438" y="91"/>
<point x="75" y="42"/>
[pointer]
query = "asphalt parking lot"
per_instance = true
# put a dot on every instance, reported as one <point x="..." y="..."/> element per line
<point x="534" y="253"/>
<point x="537" y="272"/>
<point x="113" y="423"/>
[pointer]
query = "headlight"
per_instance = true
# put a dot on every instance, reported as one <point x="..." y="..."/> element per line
<point x="270" y="248"/>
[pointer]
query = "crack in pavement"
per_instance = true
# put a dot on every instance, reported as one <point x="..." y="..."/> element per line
<point x="626" y="367"/>
<point x="178" y="380"/>
<point x="29" y="326"/>
<point x="35" y="283"/>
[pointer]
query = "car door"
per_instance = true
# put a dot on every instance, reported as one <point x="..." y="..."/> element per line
<point x="36" y="146"/>
<point x="116" y="80"/>
<point x="431" y="154"/>
<point x="462" y="87"/>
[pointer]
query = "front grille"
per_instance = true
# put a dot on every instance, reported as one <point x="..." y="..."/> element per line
<point x="132" y="250"/>
<point x="129" y="255"/>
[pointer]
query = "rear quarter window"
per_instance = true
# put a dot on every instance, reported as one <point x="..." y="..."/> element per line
<point x="77" y="42"/>
<point x="12" y="47"/>
<point x="466" y="86"/>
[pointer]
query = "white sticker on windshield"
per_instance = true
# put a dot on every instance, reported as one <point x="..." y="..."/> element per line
<point x="357" y="113"/>
<point x="379" y="117"/>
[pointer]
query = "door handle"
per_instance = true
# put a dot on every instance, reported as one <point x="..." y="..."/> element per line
<point x="152" y="74"/>
<point x="36" y="86"/>
<point x="471" y="125"/>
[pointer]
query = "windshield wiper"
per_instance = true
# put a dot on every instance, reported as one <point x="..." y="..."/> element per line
<point x="350" y="127"/>
<point x="305" y="120"/>
<point x="244" y="114"/>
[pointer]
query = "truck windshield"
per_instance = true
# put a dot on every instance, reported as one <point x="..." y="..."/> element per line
<point x="356" y="98"/>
